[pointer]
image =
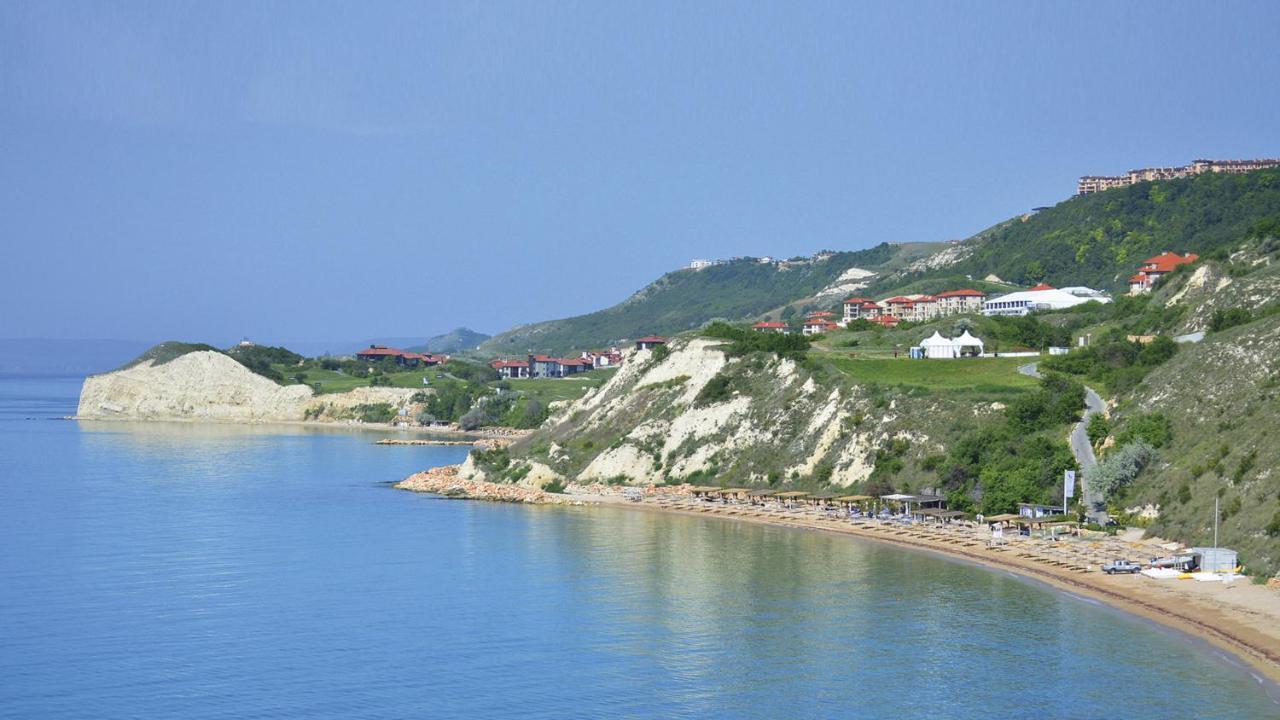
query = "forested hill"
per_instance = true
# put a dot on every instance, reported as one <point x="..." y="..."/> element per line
<point x="686" y="299"/>
<point x="1099" y="239"/>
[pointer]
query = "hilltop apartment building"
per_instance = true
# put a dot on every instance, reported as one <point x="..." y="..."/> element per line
<point x="1098" y="183"/>
<point x="914" y="308"/>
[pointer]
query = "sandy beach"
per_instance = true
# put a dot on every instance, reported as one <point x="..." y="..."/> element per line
<point x="1240" y="618"/>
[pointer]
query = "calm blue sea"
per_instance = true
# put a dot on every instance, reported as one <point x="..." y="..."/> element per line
<point x="186" y="571"/>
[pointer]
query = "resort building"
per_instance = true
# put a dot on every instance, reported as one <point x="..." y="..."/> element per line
<point x="769" y="326"/>
<point x="1154" y="268"/>
<point x="510" y="369"/>
<point x="818" y="326"/>
<point x="650" y="342"/>
<point x="860" y="308"/>
<point x="603" y="358"/>
<point x="1041" y="297"/>
<point x="377" y="353"/>
<point x="959" y="302"/>
<point x="1099" y="183"/>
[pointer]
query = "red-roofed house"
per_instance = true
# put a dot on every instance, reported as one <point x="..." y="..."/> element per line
<point x="1043" y="286"/>
<point x="650" y="342"/>
<point x="604" y="358"/>
<point x="770" y="326"/>
<point x="376" y="353"/>
<point x="818" y="326"/>
<point x="1157" y="267"/>
<point x="573" y="366"/>
<point x="511" y="369"/>
<point x="886" y="320"/>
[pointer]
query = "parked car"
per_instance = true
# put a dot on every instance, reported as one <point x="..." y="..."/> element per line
<point x="1121" y="566"/>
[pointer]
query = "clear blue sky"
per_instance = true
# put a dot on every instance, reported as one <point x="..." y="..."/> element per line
<point x="318" y="171"/>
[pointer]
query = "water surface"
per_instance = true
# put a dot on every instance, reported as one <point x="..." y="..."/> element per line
<point x="205" y="571"/>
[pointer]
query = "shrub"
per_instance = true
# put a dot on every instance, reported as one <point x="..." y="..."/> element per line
<point x="1273" y="527"/>
<point x="1151" y="428"/>
<point x="1120" y="467"/>
<point x="1099" y="428"/>
<point x="716" y="390"/>
<point x="375" y="412"/>
<point x="1228" y="318"/>
<point x="557" y="485"/>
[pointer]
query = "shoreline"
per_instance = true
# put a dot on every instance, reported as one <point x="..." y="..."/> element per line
<point x="1250" y="634"/>
<point x="485" y="434"/>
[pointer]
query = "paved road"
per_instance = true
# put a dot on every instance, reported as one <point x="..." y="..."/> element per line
<point x="1080" y="445"/>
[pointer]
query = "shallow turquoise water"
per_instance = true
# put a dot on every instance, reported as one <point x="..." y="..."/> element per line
<point x="216" y="572"/>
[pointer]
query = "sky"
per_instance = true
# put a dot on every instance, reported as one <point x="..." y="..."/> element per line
<point x="317" y="171"/>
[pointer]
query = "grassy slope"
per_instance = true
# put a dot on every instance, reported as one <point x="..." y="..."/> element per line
<point x="685" y="299"/>
<point x="1223" y="399"/>
<point x="1097" y="240"/>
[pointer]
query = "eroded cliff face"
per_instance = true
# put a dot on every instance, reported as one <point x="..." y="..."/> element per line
<point x="211" y="386"/>
<point x="700" y="416"/>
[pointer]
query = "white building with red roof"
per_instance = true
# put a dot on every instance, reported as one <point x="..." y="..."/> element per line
<point x="959" y="302"/>
<point x="511" y="369"/>
<point x="1154" y="268"/>
<point x="818" y="326"/>
<point x="860" y="308"/>
<point x="770" y="326"/>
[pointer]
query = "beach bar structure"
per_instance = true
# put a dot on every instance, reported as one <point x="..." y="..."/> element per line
<point x="849" y="501"/>
<point x="936" y="515"/>
<point x="907" y="501"/>
<point x="761" y="496"/>
<point x="1215" y="560"/>
<point x="791" y="496"/>
<point x="822" y="499"/>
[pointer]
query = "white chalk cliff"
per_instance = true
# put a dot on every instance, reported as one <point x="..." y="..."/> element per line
<point x="208" y="385"/>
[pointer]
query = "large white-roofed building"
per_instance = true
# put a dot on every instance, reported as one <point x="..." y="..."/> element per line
<point x="1041" y="297"/>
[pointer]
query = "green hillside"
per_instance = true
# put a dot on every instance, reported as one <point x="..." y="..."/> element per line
<point x="686" y="299"/>
<point x="1097" y="240"/>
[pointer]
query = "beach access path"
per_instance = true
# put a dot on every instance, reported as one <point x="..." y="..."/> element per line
<point x="1081" y="448"/>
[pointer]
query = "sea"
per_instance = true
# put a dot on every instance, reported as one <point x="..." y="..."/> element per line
<point x="201" y="571"/>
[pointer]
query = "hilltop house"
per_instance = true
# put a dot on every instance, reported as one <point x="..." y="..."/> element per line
<point x="377" y="353"/>
<point x="603" y="358"/>
<point x="1041" y="297"/>
<point x="818" y="326"/>
<point x="650" y="342"/>
<point x="511" y="369"/>
<point x="769" y="326"/>
<point x="1154" y="268"/>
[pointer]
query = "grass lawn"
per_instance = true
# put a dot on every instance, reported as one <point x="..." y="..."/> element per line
<point x="979" y="375"/>
<point x="570" y="388"/>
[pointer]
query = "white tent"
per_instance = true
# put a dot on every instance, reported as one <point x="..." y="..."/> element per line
<point x="967" y="342"/>
<point x="936" y="347"/>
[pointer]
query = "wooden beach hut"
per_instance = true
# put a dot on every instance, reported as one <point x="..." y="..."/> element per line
<point x="822" y="499"/>
<point x="790" y="497"/>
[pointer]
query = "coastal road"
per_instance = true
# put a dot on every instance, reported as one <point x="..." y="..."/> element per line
<point x="1081" y="448"/>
